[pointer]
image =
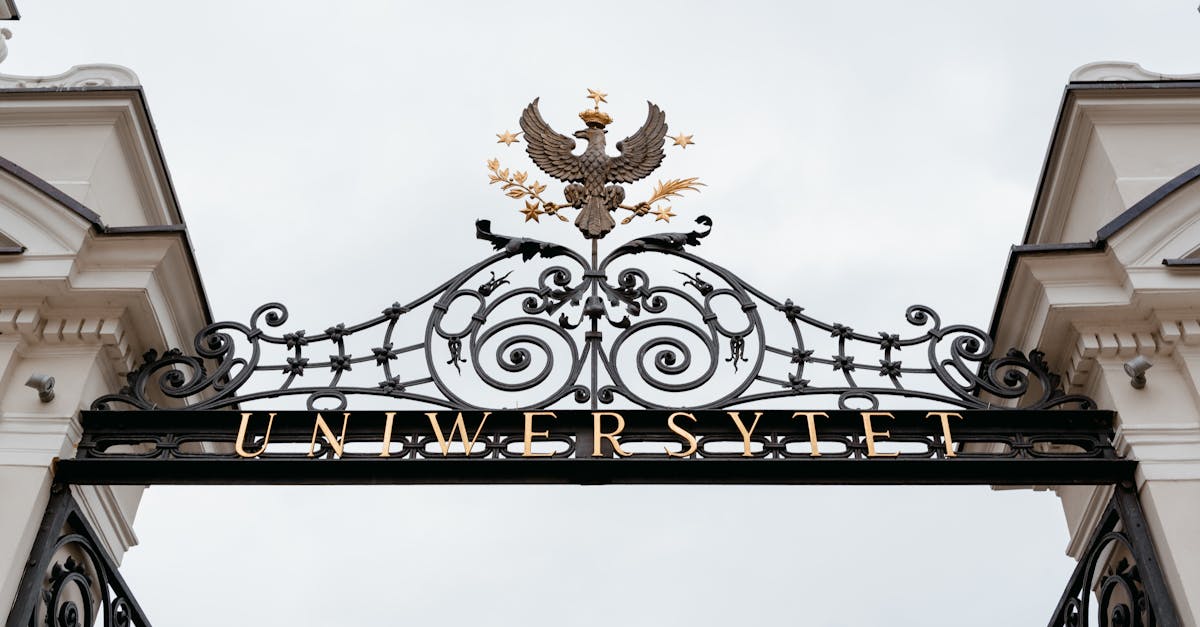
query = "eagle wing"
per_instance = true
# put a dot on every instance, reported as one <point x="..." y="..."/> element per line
<point x="549" y="149"/>
<point x="641" y="152"/>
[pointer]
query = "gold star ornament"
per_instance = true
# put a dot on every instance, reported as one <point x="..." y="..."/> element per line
<point x="507" y="138"/>
<point x="531" y="211"/>
<point x="597" y="96"/>
<point x="664" y="214"/>
<point x="683" y="141"/>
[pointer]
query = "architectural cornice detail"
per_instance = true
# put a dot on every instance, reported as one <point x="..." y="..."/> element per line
<point x="1106" y="71"/>
<point x="1164" y="451"/>
<point x="34" y="440"/>
<point x="1092" y="343"/>
<point x="1158" y="337"/>
<point x="38" y="327"/>
<point x="92" y="75"/>
<point x="20" y="321"/>
<point x="1179" y="330"/>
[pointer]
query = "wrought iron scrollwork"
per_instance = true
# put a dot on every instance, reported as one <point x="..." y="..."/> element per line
<point x="591" y="332"/>
<point x="70" y="580"/>
<point x="1119" y="567"/>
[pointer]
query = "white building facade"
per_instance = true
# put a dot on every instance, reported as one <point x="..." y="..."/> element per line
<point x="1110" y="270"/>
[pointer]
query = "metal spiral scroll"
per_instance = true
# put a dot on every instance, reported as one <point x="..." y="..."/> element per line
<point x="590" y="332"/>
<point x="1120" y="595"/>
<point x="1128" y="587"/>
<point x="77" y="583"/>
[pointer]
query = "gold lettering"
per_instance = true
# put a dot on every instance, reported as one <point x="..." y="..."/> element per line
<point x="871" y="433"/>
<point x="444" y="441"/>
<point x="336" y="444"/>
<point x="949" y="441"/>
<point x="387" y="435"/>
<point x="737" y="420"/>
<point x="597" y="433"/>
<point x="681" y="432"/>
<point x="812" y="428"/>
<point x="242" y="435"/>
<point x="529" y="433"/>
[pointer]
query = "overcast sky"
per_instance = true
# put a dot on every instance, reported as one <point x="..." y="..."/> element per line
<point x="859" y="156"/>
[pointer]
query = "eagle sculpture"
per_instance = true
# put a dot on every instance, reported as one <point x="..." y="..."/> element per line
<point x="590" y="173"/>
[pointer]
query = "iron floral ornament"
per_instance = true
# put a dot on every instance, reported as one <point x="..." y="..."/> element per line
<point x="593" y="175"/>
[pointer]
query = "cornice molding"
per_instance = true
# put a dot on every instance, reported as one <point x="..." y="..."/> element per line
<point x="1165" y="452"/>
<point x="37" y="326"/>
<point x="35" y="440"/>
<point x="1114" y="71"/>
<point x="90" y="75"/>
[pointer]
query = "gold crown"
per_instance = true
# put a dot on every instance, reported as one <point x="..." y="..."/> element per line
<point x="595" y="116"/>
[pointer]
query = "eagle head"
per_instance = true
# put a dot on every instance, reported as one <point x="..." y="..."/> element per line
<point x="592" y="134"/>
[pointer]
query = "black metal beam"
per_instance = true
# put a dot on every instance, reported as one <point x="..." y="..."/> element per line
<point x="597" y="472"/>
<point x="997" y="448"/>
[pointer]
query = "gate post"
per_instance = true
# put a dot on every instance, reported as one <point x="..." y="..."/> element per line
<point x="95" y="267"/>
<point x="1109" y="271"/>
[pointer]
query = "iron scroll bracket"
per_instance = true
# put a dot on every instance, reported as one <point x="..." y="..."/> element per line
<point x="70" y="579"/>
<point x="1120" y="566"/>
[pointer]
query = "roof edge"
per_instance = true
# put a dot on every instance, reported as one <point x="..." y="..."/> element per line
<point x="1100" y="244"/>
<point x="53" y="192"/>
<point x="101" y="229"/>
<point x="1030" y="250"/>
<point x="1150" y="201"/>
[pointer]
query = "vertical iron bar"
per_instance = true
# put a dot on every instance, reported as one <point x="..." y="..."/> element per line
<point x="65" y="525"/>
<point x="1157" y="592"/>
<point x="594" y="340"/>
<point x="30" y="588"/>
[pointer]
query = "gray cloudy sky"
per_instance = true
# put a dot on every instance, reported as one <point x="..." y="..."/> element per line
<point x="860" y="157"/>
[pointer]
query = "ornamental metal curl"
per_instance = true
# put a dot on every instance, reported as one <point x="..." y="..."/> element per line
<point x="538" y="324"/>
<point x="1120" y="567"/>
<point x="70" y="580"/>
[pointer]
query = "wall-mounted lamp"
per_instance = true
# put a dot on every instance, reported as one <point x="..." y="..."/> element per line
<point x="44" y="384"/>
<point x="1136" y="369"/>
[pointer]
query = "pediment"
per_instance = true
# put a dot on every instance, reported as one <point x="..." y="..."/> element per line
<point x="1169" y="229"/>
<point x="39" y="223"/>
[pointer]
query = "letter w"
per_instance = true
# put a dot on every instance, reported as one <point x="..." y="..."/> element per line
<point x="444" y="439"/>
